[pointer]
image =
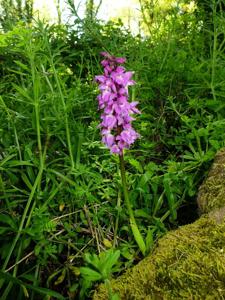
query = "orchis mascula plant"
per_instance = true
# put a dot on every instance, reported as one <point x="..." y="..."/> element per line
<point x="116" y="129"/>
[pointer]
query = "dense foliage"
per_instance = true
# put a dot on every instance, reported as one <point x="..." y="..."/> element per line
<point x="62" y="221"/>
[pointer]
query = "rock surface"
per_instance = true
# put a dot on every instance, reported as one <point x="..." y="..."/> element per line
<point x="212" y="192"/>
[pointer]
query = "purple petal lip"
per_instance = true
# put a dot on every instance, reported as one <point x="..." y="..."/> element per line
<point x="120" y="60"/>
<point x="105" y="54"/>
<point x="108" y="139"/>
<point x="100" y="78"/>
<point x="115" y="149"/>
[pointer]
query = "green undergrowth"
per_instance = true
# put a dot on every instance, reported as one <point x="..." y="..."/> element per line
<point x="62" y="215"/>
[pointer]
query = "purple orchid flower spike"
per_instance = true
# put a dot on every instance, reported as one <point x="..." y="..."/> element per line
<point x="117" y="116"/>
<point x="116" y="129"/>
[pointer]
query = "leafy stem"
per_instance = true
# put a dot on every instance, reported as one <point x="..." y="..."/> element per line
<point x="135" y="230"/>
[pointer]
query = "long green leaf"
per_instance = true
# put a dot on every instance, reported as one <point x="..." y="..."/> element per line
<point x="8" y="277"/>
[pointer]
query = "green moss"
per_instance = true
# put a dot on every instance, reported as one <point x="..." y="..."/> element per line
<point x="188" y="263"/>
<point x="212" y="192"/>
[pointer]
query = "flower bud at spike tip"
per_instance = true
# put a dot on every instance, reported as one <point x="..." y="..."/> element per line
<point x="116" y="129"/>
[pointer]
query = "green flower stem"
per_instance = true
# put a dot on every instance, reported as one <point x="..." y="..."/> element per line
<point x="137" y="235"/>
<point x="118" y="206"/>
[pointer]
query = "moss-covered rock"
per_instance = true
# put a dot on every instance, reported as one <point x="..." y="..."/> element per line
<point x="212" y="192"/>
<point x="187" y="263"/>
